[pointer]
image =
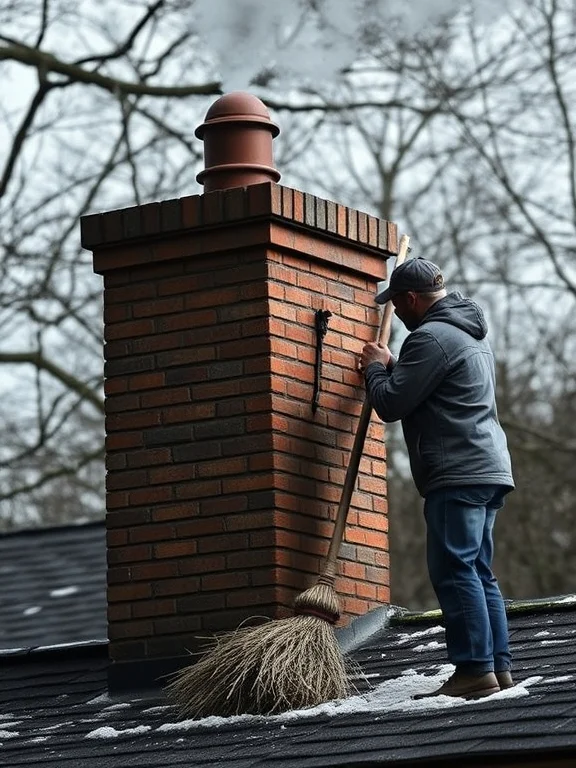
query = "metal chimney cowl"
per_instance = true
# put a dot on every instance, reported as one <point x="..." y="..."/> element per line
<point x="237" y="134"/>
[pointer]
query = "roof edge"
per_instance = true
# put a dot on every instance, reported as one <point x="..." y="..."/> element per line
<point x="81" y="649"/>
<point x="537" y="605"/>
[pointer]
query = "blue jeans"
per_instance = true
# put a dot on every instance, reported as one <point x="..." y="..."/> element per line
<point x="460" y="522"/>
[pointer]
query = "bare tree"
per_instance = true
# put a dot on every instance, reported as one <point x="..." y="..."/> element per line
<point x="476" y="161"/>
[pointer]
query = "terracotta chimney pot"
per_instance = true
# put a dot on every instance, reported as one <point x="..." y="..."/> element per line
<point x="237" y="134"/>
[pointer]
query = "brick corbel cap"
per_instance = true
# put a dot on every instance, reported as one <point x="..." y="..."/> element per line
<point x="239" y="218"/>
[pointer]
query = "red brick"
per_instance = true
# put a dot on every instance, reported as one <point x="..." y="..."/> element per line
<point x="373" y="521"/>
<point x="177" y="624"/>
<point x="126" y="518"/>
<point x="200" y="527"/>
<point x="222" y="467"/>
<point x="229" y="541"/>
<point x="147" y="533"/>
<point x="171" y="474"/>
<point x="128" y="592"/>
<point x="149" y="457"/>
<point x="116" y="538"/>
<point x="366" y="591"/>
<point x="225" y="581"/>
<point x="127" y="422"/>
<point x="131" y="554"/>
<point x="123" y="440"/>
<point x="175" y="511"/>
<point x="154" y="570"/>
<point x="383" y="594"/>
<point x="115" y="461"/>
<point x="175" y="549"/>
<point x="224" y="505"/>
<point x="198" y="489"/>
<point x="158" y="307"/>
<point x="132" y="628"/>
<point x="129" y="293"/>
<point x="115" y="386"/>
<point x="249" y="597"/>
<point x="181" y="586"/>
<point x="118" y="575"/>
<point x="120" y="612"/>
<point x="189" y="412"/>
<point x="116" y="500"/>
<point x="128" y="330"/>
<point x="130" y="479"/>
<point x="146" y="381"/>
<point x="146" y="608"/>
<point x="201" y="602"/>
<point x="151" y="495"/>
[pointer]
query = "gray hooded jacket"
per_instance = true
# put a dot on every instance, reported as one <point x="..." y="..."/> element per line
<point x="443" y="389"/>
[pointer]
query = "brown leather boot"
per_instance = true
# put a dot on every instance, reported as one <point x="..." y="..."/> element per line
<point x="504" y="680"/>
<point x="465" y="686"/>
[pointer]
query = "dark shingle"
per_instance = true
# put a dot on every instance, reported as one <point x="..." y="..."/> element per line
<point x="54" y="700"/>
<point x="53" y="586"/>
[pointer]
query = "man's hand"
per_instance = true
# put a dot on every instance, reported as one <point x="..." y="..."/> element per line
<point x="374" y="353"/>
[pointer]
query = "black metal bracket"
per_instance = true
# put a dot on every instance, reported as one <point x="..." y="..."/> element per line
<point x="321" y="323"/>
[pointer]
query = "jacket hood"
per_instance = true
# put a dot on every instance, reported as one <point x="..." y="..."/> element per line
<point x="459" y="311"/>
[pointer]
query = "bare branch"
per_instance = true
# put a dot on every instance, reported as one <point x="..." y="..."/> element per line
<point x="48" y="63"/>
<point x="38" y="361"/>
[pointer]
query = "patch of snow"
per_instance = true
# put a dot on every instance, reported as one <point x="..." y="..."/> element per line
<point x="364" y="677"/>
<point x="432" y="645"/>
<point x="106" y="732"/>
<point x="38" y="739"/>
<point x="556" y="642"/>
<point x="11" y="724"/>
<point x="32" y="610"/>
<point x="77" y="644"/>
<point x="390" y="696"/>
<point x="8" y="734"/>
<point x="55" y="727"/>
<point x="154" y="710"/>
<point x="407" y="637"/>
<point x="64" y="591"/>
<point x="6" y="717"/>
<point x="120" y="705"/>
<point x="561" y="679"/>
<point x="541" y="634"/>
<point x="99" y="699"/>
<point x="569" y="599"/>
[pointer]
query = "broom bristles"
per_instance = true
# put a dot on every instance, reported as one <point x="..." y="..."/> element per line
<point x="278" y="666"/>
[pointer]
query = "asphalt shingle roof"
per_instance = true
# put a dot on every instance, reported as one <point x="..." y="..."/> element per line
<point x="55" y="710"/>
<point x="53" y="586"/>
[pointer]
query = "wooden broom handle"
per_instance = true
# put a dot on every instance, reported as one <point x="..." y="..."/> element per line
<point x="382" y="336"/>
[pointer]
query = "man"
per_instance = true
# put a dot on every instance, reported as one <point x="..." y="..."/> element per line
<point x="442" y="388"/>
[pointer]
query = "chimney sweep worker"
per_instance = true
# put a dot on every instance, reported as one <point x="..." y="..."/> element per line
<point x="442" y="388"/>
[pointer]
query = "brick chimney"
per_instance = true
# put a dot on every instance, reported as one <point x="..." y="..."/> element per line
<point x="222" y="481"/>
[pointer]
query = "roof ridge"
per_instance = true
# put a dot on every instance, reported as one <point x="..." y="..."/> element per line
<point x="45" y="529"/>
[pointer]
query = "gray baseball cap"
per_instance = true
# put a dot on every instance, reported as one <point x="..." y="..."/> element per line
<point x="418" y="275"/>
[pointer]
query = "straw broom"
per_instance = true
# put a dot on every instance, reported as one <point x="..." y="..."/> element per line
<point x="290" y="663"/>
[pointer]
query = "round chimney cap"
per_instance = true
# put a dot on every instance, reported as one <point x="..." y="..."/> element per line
<point x="238" y="107"/>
